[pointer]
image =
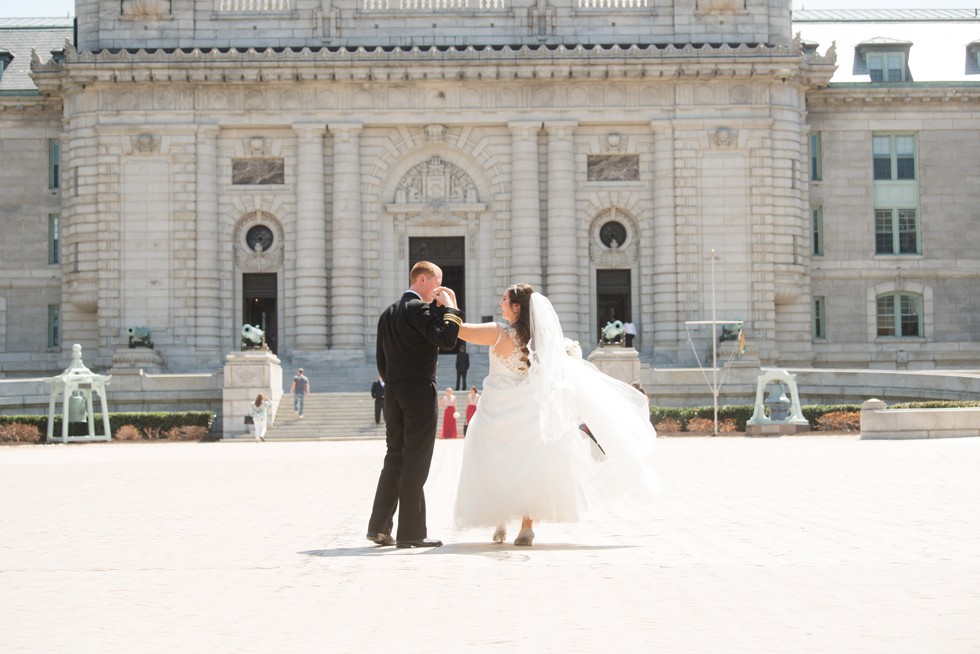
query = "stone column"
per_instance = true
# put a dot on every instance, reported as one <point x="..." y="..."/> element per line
<point x="525" y="204"/>
<point x="347" y="324"/>
<point x="208" y="277"/>
<point x="659" y="322"/>
<point x="564" y="266"/>
<point x="310" y="308"/>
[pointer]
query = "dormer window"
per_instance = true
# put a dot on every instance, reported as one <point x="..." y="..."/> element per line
<point x="886" y="66"/>
<point x="973" y="58"/>
<point x="5" y="58"/>
<point x="884" y="60"/>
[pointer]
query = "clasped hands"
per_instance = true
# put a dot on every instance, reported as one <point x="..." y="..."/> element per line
<point x="445" y="296"/>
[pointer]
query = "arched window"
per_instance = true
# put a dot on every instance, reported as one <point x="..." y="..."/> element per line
<point x="899" y="315"/>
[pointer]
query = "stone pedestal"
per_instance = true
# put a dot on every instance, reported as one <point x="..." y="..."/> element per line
<point x="246" y="374"/>
<point x="623" y="363"/>
<point x="133" y="359"/>
<point x="775" y="429"/>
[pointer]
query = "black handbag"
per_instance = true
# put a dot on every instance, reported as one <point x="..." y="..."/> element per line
<point x="249" y="421"/>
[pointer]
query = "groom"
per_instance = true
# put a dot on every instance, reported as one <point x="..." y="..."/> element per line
<point x="410" y="333"/>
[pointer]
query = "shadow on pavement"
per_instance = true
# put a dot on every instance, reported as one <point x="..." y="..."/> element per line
<point x="463" y="548"/>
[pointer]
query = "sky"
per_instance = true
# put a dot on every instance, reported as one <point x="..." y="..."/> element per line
<point x="51" y="8"/>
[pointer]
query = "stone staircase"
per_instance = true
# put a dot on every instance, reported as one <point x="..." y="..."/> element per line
<point x="346" y="410"/>
<point x="327" y="416"/>
<point x="338" y="416"/>
<point x="352" y="376"/>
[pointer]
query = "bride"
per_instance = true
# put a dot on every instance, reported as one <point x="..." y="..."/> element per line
<point x="527" y="455"/>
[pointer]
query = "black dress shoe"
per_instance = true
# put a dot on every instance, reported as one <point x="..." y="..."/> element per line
<point x="380" y="538"/>
<point x="425" y="542"/>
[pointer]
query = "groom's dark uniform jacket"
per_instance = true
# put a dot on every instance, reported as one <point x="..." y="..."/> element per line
<point x="410" y="334"/>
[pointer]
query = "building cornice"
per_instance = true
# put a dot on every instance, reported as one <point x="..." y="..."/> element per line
<point x="866" y="97"/>
<point x="433" y="63"/>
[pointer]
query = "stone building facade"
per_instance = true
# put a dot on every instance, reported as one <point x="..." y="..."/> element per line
<point x="282" y="162"/>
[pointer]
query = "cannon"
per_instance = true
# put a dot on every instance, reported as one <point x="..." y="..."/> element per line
<point x="253" y="338"/>
<point x="139" y="336"/>
<point x="613" y="332"/>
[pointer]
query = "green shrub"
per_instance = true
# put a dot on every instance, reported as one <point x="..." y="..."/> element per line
<point x="668" y="425"/>
<point x="739" y="415"/>
<point x="840" y="421"/>
<point x="935" y="404"/>
<point x="127" y="433"/>
<point x="19" y="432"/>
<point x="155" y="424"/>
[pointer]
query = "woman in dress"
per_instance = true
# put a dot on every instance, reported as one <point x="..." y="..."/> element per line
<point x="260" y="416"/>
<point x="449" y="415"/>
<point x="525" y="457"/>
<point x="471" y="401"/>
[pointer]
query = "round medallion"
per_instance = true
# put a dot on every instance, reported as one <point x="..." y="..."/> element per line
<point x="259" y="238"/>
<point x="612" y="234"/>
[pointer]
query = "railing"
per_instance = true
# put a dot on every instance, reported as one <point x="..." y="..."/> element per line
<point x="254" y="6"/>
<point x="612" y="4"/>
<point x="432" y="5"/>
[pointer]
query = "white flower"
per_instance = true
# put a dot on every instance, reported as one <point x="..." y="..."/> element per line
<point x="573" y="349"/>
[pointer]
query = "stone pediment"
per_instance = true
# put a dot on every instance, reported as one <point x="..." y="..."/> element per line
<point x="436" y="182"/>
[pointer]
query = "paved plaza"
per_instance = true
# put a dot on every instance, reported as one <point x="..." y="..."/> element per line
<point x="806" y="544"/>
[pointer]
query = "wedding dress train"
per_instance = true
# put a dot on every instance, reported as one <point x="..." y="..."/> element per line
<point x="525" y="454"/>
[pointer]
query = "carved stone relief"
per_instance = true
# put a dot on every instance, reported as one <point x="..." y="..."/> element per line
<point x="436" y="181"/>
<point x="623" y="257"/>
<point x="724" y="138"/>
<point x="147" y="9"/>
<point x="435" y="133"/>
<point x="265" y="170"/>
<point x="721" y="6"/>
<point x="255" y="146"/>
<point x="613" y="167"/>
<point x="741" y="94"/>
<point x="146" y="144"/>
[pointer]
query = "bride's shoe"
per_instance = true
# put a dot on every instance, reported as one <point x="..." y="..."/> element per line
<point x="525" y="537"/>
<point x="500" y="533"/>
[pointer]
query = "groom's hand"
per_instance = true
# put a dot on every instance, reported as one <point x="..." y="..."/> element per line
<point x="445" y="296"/>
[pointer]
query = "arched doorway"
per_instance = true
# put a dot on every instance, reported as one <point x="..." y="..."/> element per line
<point x="259" y="300"/>
<point x="447" y="252"/>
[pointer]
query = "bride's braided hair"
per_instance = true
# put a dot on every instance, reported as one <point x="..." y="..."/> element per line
<point x="521" y="294"/>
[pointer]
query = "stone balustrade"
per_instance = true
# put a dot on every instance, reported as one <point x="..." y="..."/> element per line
<point x="255" y="6"/>
<point x="433" y="5"/>
<point x="612" y="4"/>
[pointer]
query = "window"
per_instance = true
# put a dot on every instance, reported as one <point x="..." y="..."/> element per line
<point x="5" y="58"/>
<point x="816" y="217"/>
<point x="899" y="315"/>
<point x="816" y="169"/>
<point x="886" y="66"/>
<point x="819" y="317"/>
<point x="897" y="231"/>
<point x="54" y="163"/>
<point x="54" y="325"/>
<point x="54" y="238"/>
<point x="894" y="156"/>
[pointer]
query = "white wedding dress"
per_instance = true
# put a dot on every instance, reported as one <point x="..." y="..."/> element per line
<point x="524" y="454"/>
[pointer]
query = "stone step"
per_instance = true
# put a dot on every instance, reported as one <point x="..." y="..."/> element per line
<point x="341" y="416"/>
<point x="348" y="376"/>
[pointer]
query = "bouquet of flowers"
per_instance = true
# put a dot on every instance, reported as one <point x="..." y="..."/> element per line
<point x="572" y="348"/>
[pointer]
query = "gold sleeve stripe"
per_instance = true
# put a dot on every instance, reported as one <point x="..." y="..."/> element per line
<point x="452" y="317"/>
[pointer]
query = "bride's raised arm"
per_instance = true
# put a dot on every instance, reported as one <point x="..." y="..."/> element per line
<point x="479" y="334"/>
